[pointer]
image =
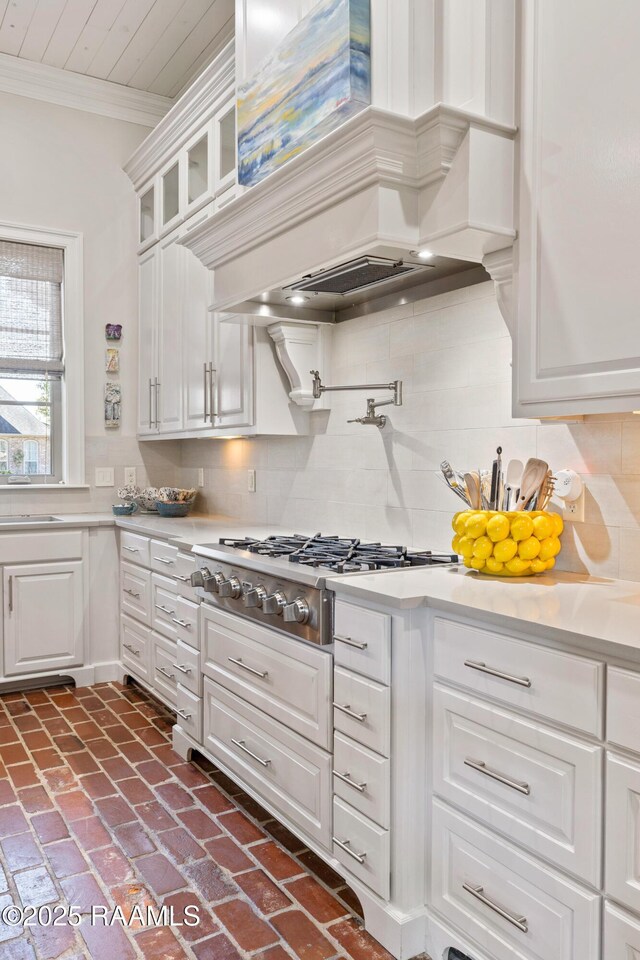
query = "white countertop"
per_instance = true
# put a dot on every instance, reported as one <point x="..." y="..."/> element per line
<point x="573" y="605"/>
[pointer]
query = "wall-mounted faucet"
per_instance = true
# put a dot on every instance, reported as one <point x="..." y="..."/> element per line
<point x="371" y="417"/>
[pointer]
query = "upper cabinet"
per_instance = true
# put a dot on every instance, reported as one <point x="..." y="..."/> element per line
<point x="577" y="284"/>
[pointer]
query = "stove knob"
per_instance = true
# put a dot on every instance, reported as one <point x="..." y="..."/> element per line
<point x="230" y="588"/>
<point x="274" y="604"/>
<point x="296" y="612"/>
<point x="198" y="576"/>
<point x="253" y="596"/>
<point x="212" y="581"/>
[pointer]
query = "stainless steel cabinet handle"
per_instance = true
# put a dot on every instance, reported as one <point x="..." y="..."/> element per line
<point x="164" y="609"/>
<point x="344" y="845"/>
<point x="256" y="673"/>
<point x="240" y="743"/>
<point x="184" y="714"/>
<point x="183" y="579"/>
<point x="345" y="777"/>
<point x="206" y="392"/>
<point x="181" y="623"/>
<point x="157" y="418"/>
<point x="183" y="668"/>
<point x="483" y="668"/>
<point x="163" y="560"/>
<point x="131" y="549"/>
<point x="478" y="893"/>
<point x="133" y="650"/>
<point x="150" y="413"/>
<point x="346" y="708"/>
<point x="213" y="373"/>
<point x="481" y="767"/>
<point x="10" y="594"/>
<point x="131" y="593"/>
<point x="349" y="642"/>
<point x="166" y="673"/>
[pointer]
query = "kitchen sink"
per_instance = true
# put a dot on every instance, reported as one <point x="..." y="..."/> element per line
<point x="27" y="518"/>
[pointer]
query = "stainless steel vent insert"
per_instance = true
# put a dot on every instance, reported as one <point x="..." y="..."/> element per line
<point x="354" y="275"/>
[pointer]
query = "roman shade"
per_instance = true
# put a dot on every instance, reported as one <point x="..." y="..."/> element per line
<point x="31" y="341"/>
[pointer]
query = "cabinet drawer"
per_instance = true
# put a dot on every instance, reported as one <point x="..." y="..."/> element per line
<point x="187" y="622"/>
<point x="189" y="711"/>
<point x="134" y="548"/>
<point x="164" y="677"/>
<point x="512" y="905"/>
<point x="288" y="680"/>
<point x="363" y="641"/>
<point x="164" y="605"/>
<point x="621" y="934"/>
<point x="135" y="592"/>
<point x="289" y="773"/>
<point x="362" y="847"/>
<point x="185" y="566"/>
<point x="623" y="708"/>
<point x="361" y="709"/>
<point x="163" y="557"/>
<point x="188" y="667"/>
<point x="42" y="546"/>
<point x="549" y="683"/>
<point x="134" y="644"/>
<point x="622" y="831"/>
<point x="361" y="778"/>
<point x="540" y="787"/>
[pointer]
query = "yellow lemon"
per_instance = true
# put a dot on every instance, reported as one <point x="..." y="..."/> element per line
<point x="558" y="523"/>
<point x="529" y="549"/>
<point x="476" y="525"/>
<point x="459" y="521"/>
<point x="498" y="528"/>
<point x="549" y="548"/>
<point x="493" y="565"/>
<point x="517" y="566"/>
<point x="551" y="563"/>
<point x="482" y="548"/>
<point x="477" y="563"/>
<point x="543" y="527"/>
<point x="505" y="550"/>
<point x="538" y="566"/>
<point x="465" y="547"/>
<point x="455" y="544"/>
<point x="467" y="562"/>
<point x="522" y="527"/>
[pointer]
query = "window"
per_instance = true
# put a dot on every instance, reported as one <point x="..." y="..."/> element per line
<point x="41" y="377"/>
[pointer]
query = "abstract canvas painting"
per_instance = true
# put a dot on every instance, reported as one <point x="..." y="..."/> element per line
<point x="318" y="77"/>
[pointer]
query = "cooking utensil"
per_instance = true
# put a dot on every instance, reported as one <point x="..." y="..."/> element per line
<point x="535" y="473"/>
<point x="472" y="483"/>
<point x="459" y="492"/>
<point x="512" y="482"/>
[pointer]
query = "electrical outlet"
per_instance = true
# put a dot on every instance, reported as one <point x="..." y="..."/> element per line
<point x="574" y="510"/>
<point x="251" y="481"/>
<point x="129" y="476"/>
<point x="201" y="476"/>
<point x="104" y="477"/>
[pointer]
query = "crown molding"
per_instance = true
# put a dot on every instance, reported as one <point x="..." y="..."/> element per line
<point x="196" y="105"/>
<point x="38" y="81"/>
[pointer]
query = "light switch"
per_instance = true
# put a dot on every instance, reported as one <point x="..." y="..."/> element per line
<point x="104" y="477"/>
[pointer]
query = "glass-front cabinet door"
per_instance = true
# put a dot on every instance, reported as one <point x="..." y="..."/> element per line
<point x="170" y="196"/>
<point x="147" y="216"/>
<point x="197" y="171"/>
<point x="225" y="140"/>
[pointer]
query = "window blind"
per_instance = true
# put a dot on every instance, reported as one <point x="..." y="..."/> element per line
<point x="31" y="341"/>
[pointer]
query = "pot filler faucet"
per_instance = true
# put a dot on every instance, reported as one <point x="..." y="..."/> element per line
<point x="371" y="417"/>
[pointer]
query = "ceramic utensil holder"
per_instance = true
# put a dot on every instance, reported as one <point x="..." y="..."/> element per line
<point x="503" y="543"/>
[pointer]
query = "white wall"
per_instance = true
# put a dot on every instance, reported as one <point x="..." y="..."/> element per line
<point x="62" y="169"/>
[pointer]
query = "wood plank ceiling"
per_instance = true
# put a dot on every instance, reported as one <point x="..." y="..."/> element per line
<point x="153" y="45"/>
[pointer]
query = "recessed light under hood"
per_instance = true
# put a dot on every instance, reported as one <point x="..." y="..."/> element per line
<point x="347" y="278"/>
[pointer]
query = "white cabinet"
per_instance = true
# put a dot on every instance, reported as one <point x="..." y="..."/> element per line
<point x="622" y="831"/>
<point x="577" y="337"/>
<point x="148" y="296"/>
<point x="173" y="305"/>
<point x="43" y="617"/>
<point x="233" y="373"/>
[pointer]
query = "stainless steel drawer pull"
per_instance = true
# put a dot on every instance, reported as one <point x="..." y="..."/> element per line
<point x="164" y="560"/>
<point x="181" y="623"/>
<point x="257" y="673"/>
<point x="240" y="743"/>
<point x="478" y="893"/>
<point x="346" y="778"/>
<point x="344" y="845"/>
<point x="166" y="673"/>
<point x="131" y="549"/>
<point x="346" y="708"/>
<point x="483" y="668"/>
<point x="133" y="650"/>
<point x="131" y="593"/>
<point x="184" y="714"/>
<point x="349" y="642"/>
<point x="183" y="579"/>
<point x="183" y="668"/>
<point x="160" y="606"/>
<point x="481" y="767"/>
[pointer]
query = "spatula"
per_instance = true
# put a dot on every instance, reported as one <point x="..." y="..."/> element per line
<point x="472" y="482"/>
<point x="512" y="480"/>
<point x="534" y="475"/>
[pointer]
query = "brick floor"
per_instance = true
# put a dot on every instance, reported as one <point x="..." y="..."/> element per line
<point x="97" y="809"/>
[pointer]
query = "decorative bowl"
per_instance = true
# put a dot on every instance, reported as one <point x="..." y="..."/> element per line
<point x="172" y="509"/>
<point x="507" y="544"/>
<point x="124" y="509"/>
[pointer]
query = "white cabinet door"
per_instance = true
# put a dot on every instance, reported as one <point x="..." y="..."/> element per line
<point x="147" y="340"/>
<point x="43" y="617"/>
<point x="197" y="339"/>
<point x="577" y="344"/>
<point x="622" y="831"/>
<point x="621" y="934"/>
<point x="169" y="392"/>
<point x="233" y="373"/>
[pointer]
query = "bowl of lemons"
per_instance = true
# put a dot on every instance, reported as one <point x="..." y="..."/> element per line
<point x="503" y="543"/>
